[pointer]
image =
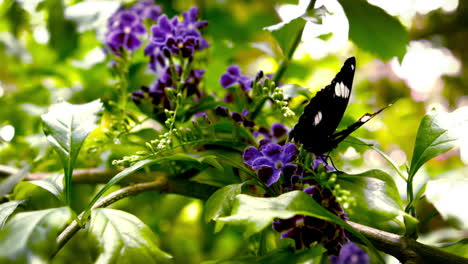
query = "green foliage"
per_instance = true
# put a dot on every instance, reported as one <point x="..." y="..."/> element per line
<point x="221" y="202"/>
<point x="56" y="51"/>
<point x="375" y="195"/>
<point x="254" y="213"/>
<point x="447" y="188"/>
<point x="53" y="184"/>
<point x="459" y="248"/>
<point x="123" y="238"/>
<point x="6" y="209"/>
<point x="30" y="237"/>
<point x="63" y="35"/>
<point x="433" y="139"/>
<point x="9" y="183"/>
<point x="286" y="34"/>
<point x="287" y="255"/>
<point x="66" y="127"/>
<point x="385" y="36"/>
<point x="195" y="162"/>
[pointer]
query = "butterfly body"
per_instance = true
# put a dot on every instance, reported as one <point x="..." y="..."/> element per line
<point x="316" y="126"/>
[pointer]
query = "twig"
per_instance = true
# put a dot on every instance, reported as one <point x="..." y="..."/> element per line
<point x="406" y="250"/>
<point x="157" y="185"/>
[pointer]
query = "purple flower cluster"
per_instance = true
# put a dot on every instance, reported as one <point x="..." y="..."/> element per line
<point x="157" y="91"/>
<point x="125" y="27"/>
<point x="146" y="9"/>
<point x="235" y="116"/>
<point x="305" y="230"/>
<point x="274" y="134"/>
<point x="350" y="254"/>
<point x="175" y="37"/>
<point x="233" y="76"/>
<point x="275" y="163"/>
<point x="271" y="161"/>
<point x="170" y="37"/>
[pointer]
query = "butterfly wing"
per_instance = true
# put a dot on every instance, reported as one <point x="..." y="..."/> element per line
<point x="340" y="136"/>
<point x="325" y="111"/>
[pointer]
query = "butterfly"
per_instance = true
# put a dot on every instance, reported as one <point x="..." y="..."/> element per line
<point x="317" y="125"/>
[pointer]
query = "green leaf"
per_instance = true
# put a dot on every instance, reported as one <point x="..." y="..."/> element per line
<point x="123" y="238"/>
<point x="116" y="179"/>
<point x="433" y="139"/>
<point x="52" y="183"/>
<point x="254" y="213"/>
<point x="279" y="256"/>
<point x="30" y="237"/>
<point x="375" y="195"/>
<point x="459" y="248"/>
<point x="6" y="209"/>
<point x="220" y="203"/>
<point x="9" y="183"/>
<point x="446" y="193"/>
<point x="66" y="127"/>
<point x="286" y="33"/>
<point x="374" y="30"/>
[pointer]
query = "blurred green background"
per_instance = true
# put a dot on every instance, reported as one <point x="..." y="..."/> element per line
<point x="52" y="50"/>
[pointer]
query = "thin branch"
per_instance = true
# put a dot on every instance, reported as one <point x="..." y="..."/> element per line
<point x="158" y="185"/>
<point x="406" y="250"/>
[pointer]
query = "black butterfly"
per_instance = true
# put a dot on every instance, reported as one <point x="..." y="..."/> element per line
<point x="317" y="125"/>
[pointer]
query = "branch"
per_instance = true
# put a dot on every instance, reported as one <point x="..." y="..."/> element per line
<point x="160" y="184"/>
<point x="406" y="250"/>
<point x="88" y="176"/>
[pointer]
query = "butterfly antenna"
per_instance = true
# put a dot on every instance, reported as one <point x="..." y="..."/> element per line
<point x="331" y="161"/>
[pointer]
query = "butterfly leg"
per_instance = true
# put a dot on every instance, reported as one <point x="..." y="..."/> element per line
<point x="322" y="159"/>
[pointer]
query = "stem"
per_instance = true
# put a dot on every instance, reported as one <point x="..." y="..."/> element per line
<point x="68" y="171"/>
<point x="406" y="250"/>
<point x="297" y="39"/>
<point x="74" y="227"/>
<point x="409" y="192"/>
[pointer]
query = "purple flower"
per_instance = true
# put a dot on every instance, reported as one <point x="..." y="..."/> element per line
<point x="156" y="56"/>
<point x="191" y="19"/>
<point x="157" y="90"/>
<point x="125" y="28"/>
<point x="305" y="230"/>
<point x="233" y="76"/>
<point x="350" y="254"/>
<point x="271" y="161"/>
<point x="322" y="161"/>
<point x="146" y="9"/>
<point x="172" y="36"/>
<point x="278" y="130"/>
<point x="274" y="134"/>
<point x="222" y="111"/>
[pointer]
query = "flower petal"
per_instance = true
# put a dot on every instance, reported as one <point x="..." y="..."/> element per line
<point x="262" y="161"/>
<point x="289" y="152"/>
<point x="278" y="130"/>
<point x="250" y="154"/>
<point x="227" y="80"/>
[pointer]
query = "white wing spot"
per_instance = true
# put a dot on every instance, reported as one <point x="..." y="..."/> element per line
<point x="365" y="118"/>
<point x="337" y="90"/>
<point x="352" y="67"/>
<point x="345" y="91"/>
<point x="341" y="90"/>
<point x="317" y="118"/>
